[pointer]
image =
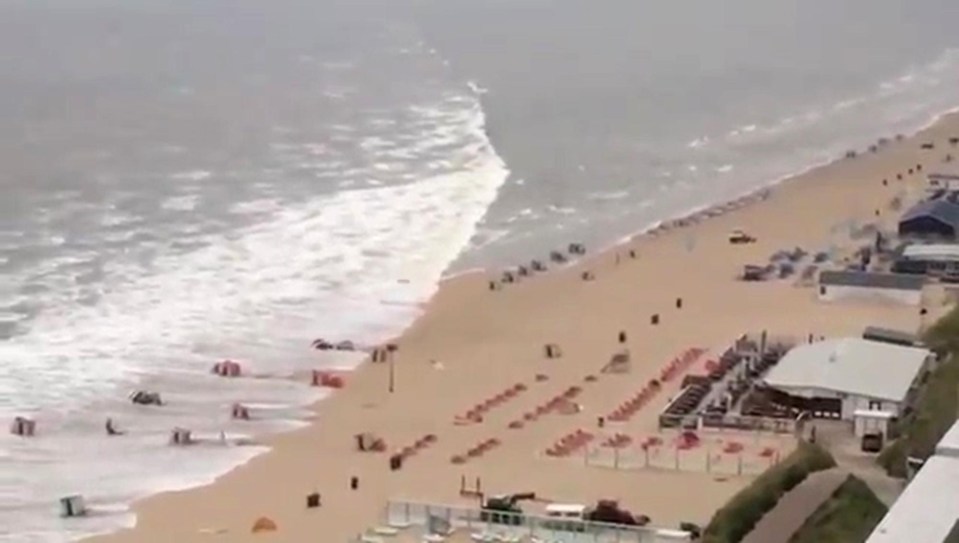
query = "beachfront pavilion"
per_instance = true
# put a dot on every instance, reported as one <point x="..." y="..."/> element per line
<point x="931" y="219"/>
<point x="838" y="285"/>
<point x="928" y="510"/>
<point x="852" y="379"/>
<point x="928" y="258"/>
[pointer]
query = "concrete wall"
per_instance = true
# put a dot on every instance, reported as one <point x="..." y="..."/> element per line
<point x="833" y="293"/>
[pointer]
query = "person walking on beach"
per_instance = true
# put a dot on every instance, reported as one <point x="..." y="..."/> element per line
<point x="622" y="336"/>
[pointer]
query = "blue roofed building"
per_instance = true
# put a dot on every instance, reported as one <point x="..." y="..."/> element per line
<point x="936" y="218"/>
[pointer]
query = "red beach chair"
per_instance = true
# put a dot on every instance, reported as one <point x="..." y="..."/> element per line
<point x="733" y="447"/>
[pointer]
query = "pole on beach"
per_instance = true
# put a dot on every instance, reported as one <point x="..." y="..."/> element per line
<point x="391" y="351"/>
<point x="392" y="374"/>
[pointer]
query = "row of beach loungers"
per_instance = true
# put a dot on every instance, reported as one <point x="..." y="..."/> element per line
<point x="536" y="265"/>
<point x="711" y="212"/>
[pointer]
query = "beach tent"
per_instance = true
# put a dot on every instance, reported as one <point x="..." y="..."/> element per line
<point x="618" y="363"/>
<point x="263" y="524"/>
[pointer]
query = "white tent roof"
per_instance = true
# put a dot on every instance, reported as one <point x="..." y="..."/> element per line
<point x="850" y="365"/>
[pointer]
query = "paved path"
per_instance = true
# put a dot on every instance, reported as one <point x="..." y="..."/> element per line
<point x="886" y="488"/>
<point x="838" y="438"/>
<point x="782" y="521"/>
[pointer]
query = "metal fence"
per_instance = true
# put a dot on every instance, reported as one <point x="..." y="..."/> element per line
<point x="730" y="422"/>
<point x="441" y="519"/>
<point x="700" y="459"/>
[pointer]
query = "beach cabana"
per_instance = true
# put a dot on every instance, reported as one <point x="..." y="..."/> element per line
<point x="72" y="506"/>
<point x="859" y="285"/>
<point x="835" y="378"/>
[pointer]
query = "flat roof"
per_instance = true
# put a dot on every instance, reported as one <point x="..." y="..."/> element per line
<point x="927" y="510"/>
<point x="946" y="252"/>
<point x="949" y="444"/>
<point x="878" y="333"/>
<point x="850" y="365"/>
<point x="899" y="281"/>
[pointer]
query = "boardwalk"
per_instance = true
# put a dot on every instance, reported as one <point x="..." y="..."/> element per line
<point x="779" y="524"/>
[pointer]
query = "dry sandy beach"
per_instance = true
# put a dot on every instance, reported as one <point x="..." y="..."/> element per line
<point x="485" y="341"/>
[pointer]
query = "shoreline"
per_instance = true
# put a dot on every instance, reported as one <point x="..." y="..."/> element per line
<point x="592" y="258"/>
<point x="767" y="186"/>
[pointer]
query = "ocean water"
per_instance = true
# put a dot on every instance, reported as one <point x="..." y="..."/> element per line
<point x="191" y="181"/>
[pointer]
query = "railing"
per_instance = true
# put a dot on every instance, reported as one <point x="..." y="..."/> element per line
<point x="703" y="459"/>
<point x="439" y="518"/>
<point x="722" y="452"/>
<point x="728" y="421"/>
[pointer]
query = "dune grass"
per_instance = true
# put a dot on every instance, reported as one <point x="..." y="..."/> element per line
<point x="738" y="517"/>
<point x="938" y="403"/>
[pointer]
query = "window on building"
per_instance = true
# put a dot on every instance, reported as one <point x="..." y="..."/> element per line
<point x="874" y="405"/>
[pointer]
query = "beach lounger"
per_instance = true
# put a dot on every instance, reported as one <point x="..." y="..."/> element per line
<point x="433" y="538"/>
<point x="400" y="524"/>
<point x="385" y="530"/>
<point x="372" y="539"/>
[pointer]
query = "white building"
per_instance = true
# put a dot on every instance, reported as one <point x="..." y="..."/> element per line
<point x="942" y="181"/>
<point x="869" y="286"/>
<point x="851" y="378"/>
<point x="930" y="258"/>
<point x="932" y="252"/>
<point x="928" y="510"/>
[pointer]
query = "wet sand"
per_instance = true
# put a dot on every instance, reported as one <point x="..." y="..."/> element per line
<point x="485" y="341"/>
